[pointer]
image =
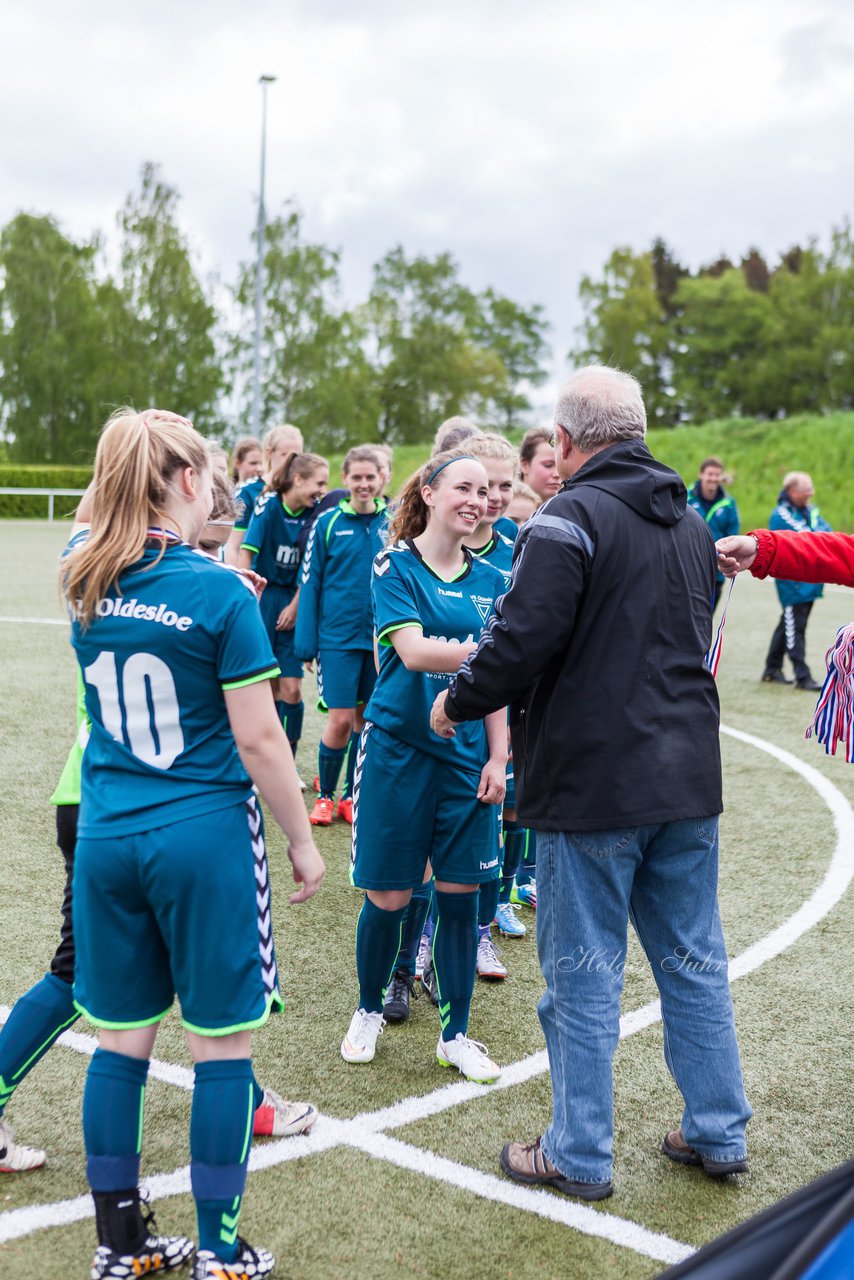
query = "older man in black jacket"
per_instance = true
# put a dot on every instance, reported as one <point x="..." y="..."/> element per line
<point x="599" y="648"/>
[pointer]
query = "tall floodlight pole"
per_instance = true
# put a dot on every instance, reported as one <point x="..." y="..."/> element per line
<point x="259" y="270"/>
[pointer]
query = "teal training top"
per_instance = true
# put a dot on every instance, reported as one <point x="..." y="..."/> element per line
<point x="273" y="536"/>
<point x="335" y="584"/>
<point x="407" y="592"/>
<point x="156" y="661"/>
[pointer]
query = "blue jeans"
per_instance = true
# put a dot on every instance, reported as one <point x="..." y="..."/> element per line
<point x="589" y="883"/>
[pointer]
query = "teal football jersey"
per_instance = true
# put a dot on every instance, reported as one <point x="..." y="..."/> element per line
<point x="406" y="591"/>
<point x="155" y="662"/>
<point x="499" y="553"/>
<point x="274" y="536"/>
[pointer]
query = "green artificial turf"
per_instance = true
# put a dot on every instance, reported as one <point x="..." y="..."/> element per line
<point x="342" y="1212"/>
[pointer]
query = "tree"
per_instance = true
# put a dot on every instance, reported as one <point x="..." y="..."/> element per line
<point x="166" y="328"/>
<point x="722" y="332"/>
<point x="315" y="372"/>
<point x="51" y="348"/>
<point x="517" y="336"/>
<point x="625" y="325"/>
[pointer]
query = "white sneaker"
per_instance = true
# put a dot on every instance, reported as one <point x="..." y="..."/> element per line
<point x="488" y="964"/>
<point x="275" y="1117"/>
<point x="360" y="1042"/>
<point x="423" y="952"/>
<point x="470" y="1057"/>
<point x="13" y="1157"/>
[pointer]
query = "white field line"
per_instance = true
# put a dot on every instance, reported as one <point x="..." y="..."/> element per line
<point x="590" y="1222"/>
<point x="365" y="1131"/>
<point x="42" y="622"/>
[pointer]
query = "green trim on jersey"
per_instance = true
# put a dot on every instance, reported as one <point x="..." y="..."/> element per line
<point x="294" y="514"/>
<point x="273" y="998"/>
<point x="441" y="577"/>
<point x="382" y="638"/>
<point x="68" y="788"/>
<point x="247" y="546"/>
<point x="262" y="675"/>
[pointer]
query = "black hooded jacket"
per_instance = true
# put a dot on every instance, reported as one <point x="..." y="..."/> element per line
<point x="598" y="647"/>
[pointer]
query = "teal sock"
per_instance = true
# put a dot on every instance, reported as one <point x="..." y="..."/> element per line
<point x="280" y="710"/>
<point x="220" y="1138"/>
<point x="257" y="1093"/>
<point x="352" y="753"/>
<point x="487" y="902"/>
<point x="329" y="762"/>
<point x="36" y="1020"/>
<point x="454" y="958"/>
<point x="514" y="846"/>
<point x="293" y="718"/>
<point x="378" y="936"/>
<point x="528" y="866"/>
<point x="413" y="927"/>
<point x="113" y="1102"/>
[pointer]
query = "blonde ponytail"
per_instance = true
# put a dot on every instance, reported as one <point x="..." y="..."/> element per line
<point x="136" y="459"/>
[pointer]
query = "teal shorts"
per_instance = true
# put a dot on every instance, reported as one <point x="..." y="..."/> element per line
<point x="409" y="806"/>
<point x="345" y="677"/>
<point x="182" y="909"/>
<point x="272" y="602"/>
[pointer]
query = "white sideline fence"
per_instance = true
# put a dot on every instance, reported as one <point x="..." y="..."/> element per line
<point x="50" y="494"/>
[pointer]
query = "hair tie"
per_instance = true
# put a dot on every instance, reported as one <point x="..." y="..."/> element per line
<point x="462" y="458"/>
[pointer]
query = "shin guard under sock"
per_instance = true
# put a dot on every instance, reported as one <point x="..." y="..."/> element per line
<point x="454" y="958"/>
<point x="112" y="1130"/>
<point x="220" y="1138"/>
<point x="294" y="715"/>
<point x="36" y="1020"/>
<point x="487" y="902"/>
<point x="329" y="762"/>
<point x="352" y="754"/>
<point x="378" y="936"/>
<point x="413" y="927"/>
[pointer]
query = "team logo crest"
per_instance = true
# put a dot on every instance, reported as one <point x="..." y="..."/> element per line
<point x="483" y="606"/>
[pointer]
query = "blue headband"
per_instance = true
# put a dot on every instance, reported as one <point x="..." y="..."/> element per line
<point x="463" y="457"/>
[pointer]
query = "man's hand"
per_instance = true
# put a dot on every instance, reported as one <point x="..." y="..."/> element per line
<point x="493" y="782"/>
<point x="309" y="870"/>
<point x="736" y="554"/>
<point x="439" y="722"/>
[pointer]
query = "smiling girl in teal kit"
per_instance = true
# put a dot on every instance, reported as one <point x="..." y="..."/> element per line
<point x="432" y="600"/>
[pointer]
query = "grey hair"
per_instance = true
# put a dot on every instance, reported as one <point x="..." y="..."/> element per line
<point x="599" y="406"/>
<point x="797" y="480"/>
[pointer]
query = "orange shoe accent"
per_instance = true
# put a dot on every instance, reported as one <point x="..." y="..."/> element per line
<point x="345" y="809"/>
<point x="322" y="813"/>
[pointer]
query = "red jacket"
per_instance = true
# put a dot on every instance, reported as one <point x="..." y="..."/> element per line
<point x="805" y="557"/>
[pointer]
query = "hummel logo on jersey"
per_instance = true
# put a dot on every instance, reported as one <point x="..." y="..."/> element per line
<point x="343" y="533"/>
<point x="457" y="595"/>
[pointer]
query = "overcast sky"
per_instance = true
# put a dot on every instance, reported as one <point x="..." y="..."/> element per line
<point x="529" y="139"/>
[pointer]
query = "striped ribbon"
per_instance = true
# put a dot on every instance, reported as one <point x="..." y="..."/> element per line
<point x="833" y="721"/>
<point x="713" y="657"/>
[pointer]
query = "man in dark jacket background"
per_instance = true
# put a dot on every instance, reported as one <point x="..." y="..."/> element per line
<point x="599" y="649"/>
